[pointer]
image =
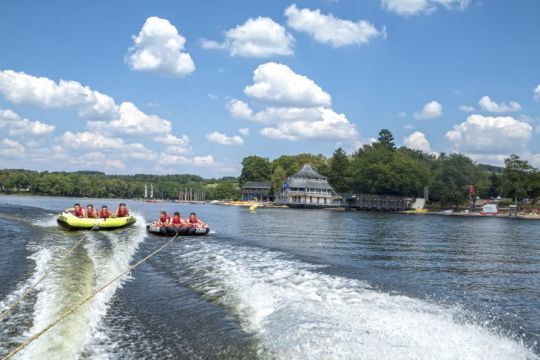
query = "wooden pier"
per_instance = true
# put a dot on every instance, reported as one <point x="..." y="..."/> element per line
<point x="380" y="202"/>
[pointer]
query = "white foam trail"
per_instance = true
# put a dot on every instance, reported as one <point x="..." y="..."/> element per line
<point x="18" y="317"/>
<point x="41" y="258"/>
<point x="299" y="313"/>
<point x="73" y="280"/>
<point x="47" y="222"/>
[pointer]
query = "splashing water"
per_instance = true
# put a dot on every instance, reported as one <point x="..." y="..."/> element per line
<point x="298" y="312"/>
<point x="76" y="277"/>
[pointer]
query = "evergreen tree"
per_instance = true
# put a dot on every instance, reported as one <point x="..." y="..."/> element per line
<point x="386" y="139"/>
<point x="339" y="174"/>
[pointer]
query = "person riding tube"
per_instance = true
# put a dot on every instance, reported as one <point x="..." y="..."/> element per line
<point x="76" y="210"/>
<point x="121" y="211"/>
<point x="104" y="213"/>
<point x="194" y="221"/>
<point x="177" y="220"/>
<point x="91" y="212"/>
<point x="164" y="219"/>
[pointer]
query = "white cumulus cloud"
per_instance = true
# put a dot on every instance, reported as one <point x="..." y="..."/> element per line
<point x="417" y="141"/>
<point x="21" y="88"/>
<point x="115" y="147"/>
<point x="318" y="123"/>
<point x="295" y="107"/>
<point x="159" y="47"/>
<point x="131" y="120"/>
<point x="176" y="145"/>
<point x="489" y="135"/>
<point x="536" y="92"/>
<point x="11" y="148"/>
<point x="91" y="140"/>
<point x="239" y="109"/>
<point x="223" y="139"/>
<point x="198" y="161"/>
<point x="489" y="105"/>
<point x="258" y="38"/>
<point x="430" y="110"/>
<point x="20" y="126"/>
<point x="329" y="29"/>
<point x="244" y="131"/>
<point x="414" y="7"/>
<point x="277" y="84"/>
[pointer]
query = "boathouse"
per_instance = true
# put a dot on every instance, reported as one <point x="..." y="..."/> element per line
<point x="307" y="189"/>
<point x="256" y="191"/>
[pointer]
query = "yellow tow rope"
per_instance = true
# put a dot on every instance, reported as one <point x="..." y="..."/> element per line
<point x="16" y="302"/>
<point x="81" y="303"/>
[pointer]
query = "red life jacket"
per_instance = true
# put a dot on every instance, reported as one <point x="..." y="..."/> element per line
<point x="104" y="214"/>
<point x="194" y="221"/>
<point x="79" y="213"/>
<point x="163" y="219"/>
<point x="176" y="221"/>
<point x="123" y="213"/>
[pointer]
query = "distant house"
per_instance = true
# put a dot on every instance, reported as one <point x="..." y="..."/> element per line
<point x="307" y="189"/>
<point x="256" y="191"/>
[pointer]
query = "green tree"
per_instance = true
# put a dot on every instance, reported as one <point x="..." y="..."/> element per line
<point x="339" y="174"/>
<point x="278" y="177"/>
<point x="226" y="191"/>
<point x="386" y="139"/>
<point x="451" y="179"/>
<point x="287" y="163"/>
<point x="495" y="186"/>
<point x="255" y="168"/>
<point x="518" y="177"/>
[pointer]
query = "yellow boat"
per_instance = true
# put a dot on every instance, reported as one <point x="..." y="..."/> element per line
<point x="71" y="222"/>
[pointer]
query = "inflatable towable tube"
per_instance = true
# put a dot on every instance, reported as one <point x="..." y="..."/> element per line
<point x="173" y="231"/>
<point x="71" y="222"/>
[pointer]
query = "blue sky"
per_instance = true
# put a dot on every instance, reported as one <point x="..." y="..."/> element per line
<point x="193" y="87"/>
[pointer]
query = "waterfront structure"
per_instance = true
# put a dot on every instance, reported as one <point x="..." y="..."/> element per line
<point x="308" y="189"/>
<point x="383" y="202"/>
<point x="256" y="191"/>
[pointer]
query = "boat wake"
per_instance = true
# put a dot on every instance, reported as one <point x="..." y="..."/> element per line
<point x="91" y="265"/>
<point x="298" y="312"/>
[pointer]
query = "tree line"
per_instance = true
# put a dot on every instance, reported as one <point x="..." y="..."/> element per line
<point x="377" y="168"/>
<point x="383" y="169"/>
<point x="98" y="184"/>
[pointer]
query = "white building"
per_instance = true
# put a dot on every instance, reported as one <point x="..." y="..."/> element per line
<point x="307" y="188"/>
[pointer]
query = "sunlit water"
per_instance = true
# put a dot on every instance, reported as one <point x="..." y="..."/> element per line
<point x="277" y="283"/>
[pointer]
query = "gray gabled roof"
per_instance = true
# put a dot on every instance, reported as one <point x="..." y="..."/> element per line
<point x="308" y="184"/>
<point x="307" y="172"/>
<point x="257" y="185"/>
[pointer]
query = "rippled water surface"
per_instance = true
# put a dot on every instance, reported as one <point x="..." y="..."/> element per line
<point x="277" y="283"/>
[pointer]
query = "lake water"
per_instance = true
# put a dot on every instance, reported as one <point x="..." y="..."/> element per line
<point x="277" y="283"/>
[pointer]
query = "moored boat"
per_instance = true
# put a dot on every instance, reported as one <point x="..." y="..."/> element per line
<point x="180" y="231"/>
<point x="71" y="222"/>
